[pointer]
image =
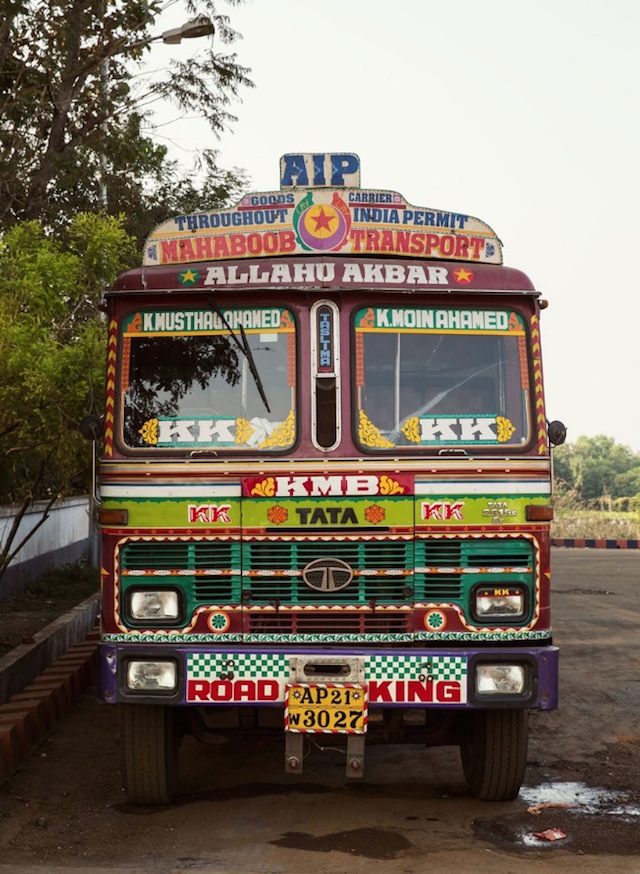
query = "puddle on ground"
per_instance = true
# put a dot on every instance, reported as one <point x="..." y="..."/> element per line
<point x="573" y="816"/>
<point x="577" y="799"/>
<point x="582" y="799"/>
<point x="368" y="842"/>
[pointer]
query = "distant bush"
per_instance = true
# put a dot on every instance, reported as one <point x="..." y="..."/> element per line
<point x="595" y="524"/>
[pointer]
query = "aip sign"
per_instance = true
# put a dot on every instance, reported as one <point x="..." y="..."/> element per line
<point x="320" y="170"/>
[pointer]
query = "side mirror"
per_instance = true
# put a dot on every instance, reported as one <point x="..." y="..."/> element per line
<point x="92" y="427"/>
<point x="557" y="433"/>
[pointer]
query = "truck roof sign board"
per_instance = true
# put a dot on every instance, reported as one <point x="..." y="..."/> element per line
<point x="318" y="210"/>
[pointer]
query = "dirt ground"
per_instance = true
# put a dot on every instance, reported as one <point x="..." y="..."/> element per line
<point x="238" y="812"/>
<point x="24" y="614"/>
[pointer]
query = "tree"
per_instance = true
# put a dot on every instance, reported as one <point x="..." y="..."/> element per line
<point x="52" y="348"/>
<point x="72" y="110"/>
<point x="74" y="104"/>
<point x="597" y="467"/>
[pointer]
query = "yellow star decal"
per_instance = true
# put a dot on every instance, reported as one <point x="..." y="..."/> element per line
<point x="188" y="277"/>
<point x="463" y="275"/>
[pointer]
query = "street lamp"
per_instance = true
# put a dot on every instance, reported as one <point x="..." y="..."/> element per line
<point x="192" y="29"/>
<point x="200" y="26"/>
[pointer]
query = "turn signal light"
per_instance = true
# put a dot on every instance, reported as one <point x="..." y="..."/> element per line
<point x="113" y="517"/>
<point x="537" y="513"/>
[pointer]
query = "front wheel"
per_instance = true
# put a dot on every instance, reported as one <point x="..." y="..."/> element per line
<point x="149" y="753"/>
<point x="494" y="753"/>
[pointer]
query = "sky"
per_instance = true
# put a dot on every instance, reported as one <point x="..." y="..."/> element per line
<point x="524" y="115"/>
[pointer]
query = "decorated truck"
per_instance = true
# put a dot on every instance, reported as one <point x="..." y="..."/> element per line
<point x="325" y="481"/>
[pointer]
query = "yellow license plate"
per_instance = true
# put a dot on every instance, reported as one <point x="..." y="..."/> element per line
<point x="326" y="708"/>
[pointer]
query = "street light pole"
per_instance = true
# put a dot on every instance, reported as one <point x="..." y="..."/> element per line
<point x="195" y="27"/>
<point x="192" y="29"/>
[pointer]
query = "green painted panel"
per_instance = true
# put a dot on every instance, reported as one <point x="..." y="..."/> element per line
<point x="475" y="510"/>
<point x="370" y="512"/>
<point x="178" y="512"/>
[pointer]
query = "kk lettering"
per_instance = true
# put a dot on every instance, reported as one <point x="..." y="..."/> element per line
<point x="443" y="512"/>
<point x="209" y="513"/>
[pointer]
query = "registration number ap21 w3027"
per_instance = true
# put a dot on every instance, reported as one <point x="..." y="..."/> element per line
<point x="326" y="708"/>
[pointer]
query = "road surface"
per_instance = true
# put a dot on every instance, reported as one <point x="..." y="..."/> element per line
<point x="238" y="812"/>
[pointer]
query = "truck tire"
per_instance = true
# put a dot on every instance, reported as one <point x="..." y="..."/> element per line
<point x="494" y="754"/>
<point x="149" y="753"/>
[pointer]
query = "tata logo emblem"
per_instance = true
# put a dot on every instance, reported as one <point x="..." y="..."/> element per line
<point x="327" y="574"/>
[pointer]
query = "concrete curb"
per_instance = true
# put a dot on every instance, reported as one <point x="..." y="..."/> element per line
<point x="589" y="543"/>
<point x="39" y="682"/>
<point x="24" y="663"/>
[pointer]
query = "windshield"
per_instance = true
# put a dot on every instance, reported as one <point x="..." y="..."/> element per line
<point x="187" y="379"/>
<point x="440" y="377"/>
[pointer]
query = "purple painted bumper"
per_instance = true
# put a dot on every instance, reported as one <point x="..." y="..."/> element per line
<point x="433" y="678"/>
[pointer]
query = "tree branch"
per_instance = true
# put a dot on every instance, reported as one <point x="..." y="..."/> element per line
<point x="9" y="551"/>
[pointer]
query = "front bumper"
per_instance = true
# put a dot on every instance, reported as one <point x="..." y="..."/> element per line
<point x="431" y="678"/>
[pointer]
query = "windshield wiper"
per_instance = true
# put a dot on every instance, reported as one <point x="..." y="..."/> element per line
<point x="245" y="349"/>
<point x="393" y="436"/>
<point x="442" y="395"/>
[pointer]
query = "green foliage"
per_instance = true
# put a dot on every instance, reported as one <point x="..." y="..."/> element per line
<point x="52" y="348"/>
<point x="596" y="524"/>
<point x="76" y="100"/>
<point x="596" y="472"/>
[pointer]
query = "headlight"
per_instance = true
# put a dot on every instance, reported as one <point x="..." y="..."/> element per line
<point x="149" y="606"/>
<point x="498" y="603"/>
<point x="152" y="675"/>
<point x="500" y="679"/>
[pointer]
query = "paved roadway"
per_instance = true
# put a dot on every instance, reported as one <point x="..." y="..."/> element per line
<point x="238" y="812"/>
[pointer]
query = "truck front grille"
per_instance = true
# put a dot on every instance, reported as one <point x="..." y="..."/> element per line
<point x="265" y="577"/>
<point x="272" y="571"/>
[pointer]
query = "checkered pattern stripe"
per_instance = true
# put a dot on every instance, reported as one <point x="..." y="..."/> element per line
<point x="412" y="667"/>
<point x="201" y="666"/>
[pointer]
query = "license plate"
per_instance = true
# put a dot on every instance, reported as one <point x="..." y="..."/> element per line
<point x="326" y="708"/>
